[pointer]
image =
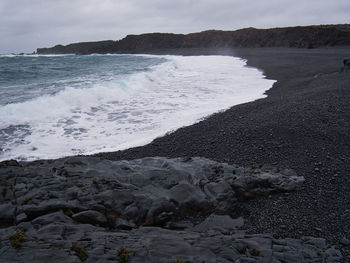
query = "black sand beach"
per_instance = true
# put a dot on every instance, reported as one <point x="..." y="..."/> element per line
<point x="303" y="124"/>
<point x="103" y="208"/>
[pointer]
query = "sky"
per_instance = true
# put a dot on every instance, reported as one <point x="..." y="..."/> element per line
<point x="28" y="24"/>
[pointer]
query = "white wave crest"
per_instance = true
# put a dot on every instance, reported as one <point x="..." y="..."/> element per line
<point x="130" y="110"/>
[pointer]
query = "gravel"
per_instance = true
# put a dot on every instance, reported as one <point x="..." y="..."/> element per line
<point x="303" y="124"/>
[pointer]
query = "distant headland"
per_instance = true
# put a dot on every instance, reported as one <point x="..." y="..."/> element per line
<point x="297" y="37"/>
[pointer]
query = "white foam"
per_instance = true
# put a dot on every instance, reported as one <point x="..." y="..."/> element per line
<point x="131" y="110"/>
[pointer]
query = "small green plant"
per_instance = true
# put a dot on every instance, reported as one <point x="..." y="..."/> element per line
<point x="178" y="260"/>
<point x="123" y="254"/>
<point x="17" y="238"/>
<point x="80" y="251"/>
<point x="254" y="252"/>
<point x="26" y="200"/>
<point x="94" y="181"/>
<point x="83" y="189"/>
<point x="68" y="212"/>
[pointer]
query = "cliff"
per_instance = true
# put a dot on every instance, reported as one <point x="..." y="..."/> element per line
<point x="299" y="37"/>
<point x="80" y="48"/>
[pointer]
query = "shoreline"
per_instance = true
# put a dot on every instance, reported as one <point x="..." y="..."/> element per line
<point x="303" y="124"/>
<point x="90" y="207"/>
<point x="158" y="109"/>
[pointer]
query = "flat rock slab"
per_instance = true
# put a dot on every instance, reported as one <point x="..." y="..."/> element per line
<point x="219" y="222"/>
<point x="84" y="208"/>
<point x="148" y="191"/>
<point x="53" y="243"/>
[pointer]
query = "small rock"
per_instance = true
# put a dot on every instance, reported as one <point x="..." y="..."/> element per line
<point x="90" y="217"/>
<point x="123" y="224"/>
<point x="52" y="218"/>
<point x="163" y="217"/>
<point x="345" y="242"/>
<point x="179" y="225"/>
<point x="6" y="211"/>
<point x="20" y="186"/>
<point x="21" y="217"/>
<point x="333" y="255"/>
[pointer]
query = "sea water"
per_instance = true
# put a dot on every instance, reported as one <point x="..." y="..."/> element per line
<point x="55" y="106"/>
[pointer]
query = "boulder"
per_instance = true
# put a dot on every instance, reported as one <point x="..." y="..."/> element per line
<point x="90" y="217"/>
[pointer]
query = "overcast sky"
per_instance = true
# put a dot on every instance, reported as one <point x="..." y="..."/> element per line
<point x="28" y="24"/>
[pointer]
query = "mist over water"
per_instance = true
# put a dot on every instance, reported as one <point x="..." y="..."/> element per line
<point x="55" y="106"/>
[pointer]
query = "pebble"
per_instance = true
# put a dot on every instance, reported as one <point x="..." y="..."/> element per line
<point x="123" y="224"/>
<point x="345" y="241"/>
<point x="90" y="217"/>
<point x="21" y="217"/>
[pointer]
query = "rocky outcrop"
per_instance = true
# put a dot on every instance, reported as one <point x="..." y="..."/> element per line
<point x="149" y="191"/>
<point x="300" y="37"/>
<point x="147" y="210"/>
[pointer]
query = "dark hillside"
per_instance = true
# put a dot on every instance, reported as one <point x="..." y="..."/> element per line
<point x="299" y="37"/>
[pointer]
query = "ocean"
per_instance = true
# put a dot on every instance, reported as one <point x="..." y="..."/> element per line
<point x="61" y="105"/>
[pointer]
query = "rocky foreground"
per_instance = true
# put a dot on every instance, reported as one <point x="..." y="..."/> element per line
<point x="303" y="124"/>
<point x="146" y="210"/>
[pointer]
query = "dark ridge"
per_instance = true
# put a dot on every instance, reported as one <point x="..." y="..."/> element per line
<point x="299" y="37"/>
<point x="80" y="48"/>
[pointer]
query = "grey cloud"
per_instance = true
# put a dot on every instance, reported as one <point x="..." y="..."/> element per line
<point x="26" y="25"/>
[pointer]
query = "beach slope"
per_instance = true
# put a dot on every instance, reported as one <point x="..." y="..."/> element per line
<point x="303" y="124"/>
